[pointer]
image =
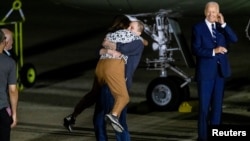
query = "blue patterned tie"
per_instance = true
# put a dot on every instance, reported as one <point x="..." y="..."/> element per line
<point x="214" y="32"/>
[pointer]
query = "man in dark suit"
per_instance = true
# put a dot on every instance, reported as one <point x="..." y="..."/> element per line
<point x="209" y="46"/>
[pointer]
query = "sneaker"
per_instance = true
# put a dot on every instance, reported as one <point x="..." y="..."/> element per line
<point x="116" y="128"/>
<point x="113" y="120"/>
<point x="69" y="121"/>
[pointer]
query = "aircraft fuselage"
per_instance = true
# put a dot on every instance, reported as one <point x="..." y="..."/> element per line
<point x="185" y="7"/>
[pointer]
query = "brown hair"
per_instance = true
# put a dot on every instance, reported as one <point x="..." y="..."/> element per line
<point x="119" y="22"/>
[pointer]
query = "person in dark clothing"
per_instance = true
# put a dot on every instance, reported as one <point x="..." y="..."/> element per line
<point x="105" y="103"/>
<point x="210" y="40"/>
<point x="8" y="92"/>
<point x="121" y="22"/>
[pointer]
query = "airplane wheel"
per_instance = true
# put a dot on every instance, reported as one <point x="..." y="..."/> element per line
<point x="163" y="94"/>
<point x="28" y="75"/>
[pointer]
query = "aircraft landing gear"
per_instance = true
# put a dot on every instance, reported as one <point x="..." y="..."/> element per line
<point x="165" y="93"/>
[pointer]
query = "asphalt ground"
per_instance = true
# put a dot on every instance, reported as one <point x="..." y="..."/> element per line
<point x="42" y="109"/>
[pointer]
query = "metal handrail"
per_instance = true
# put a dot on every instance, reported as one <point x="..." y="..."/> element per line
<point x="247" y="30"/>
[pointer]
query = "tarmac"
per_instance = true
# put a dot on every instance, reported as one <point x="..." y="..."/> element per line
<point x="43" y="107"/>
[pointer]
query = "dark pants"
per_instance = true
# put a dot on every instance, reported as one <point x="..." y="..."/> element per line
<point x="89" y="99"/>
<point x="210" y="104"/>
<point x="5" y="123"/>
<point x="104" y="104"/>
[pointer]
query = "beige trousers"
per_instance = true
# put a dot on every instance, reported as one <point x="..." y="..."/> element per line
<point x="112" y="73"/>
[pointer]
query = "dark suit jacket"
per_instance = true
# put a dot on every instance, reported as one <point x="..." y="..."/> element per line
<point x="202" y="48"/>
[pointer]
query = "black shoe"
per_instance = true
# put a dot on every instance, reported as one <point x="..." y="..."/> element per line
<point x="113" y="120"/>
<point x="69" y="121"/>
